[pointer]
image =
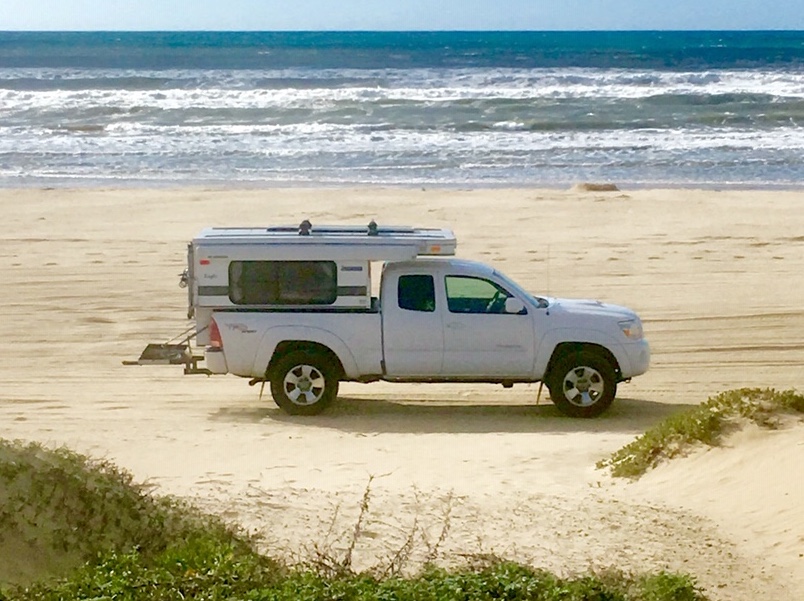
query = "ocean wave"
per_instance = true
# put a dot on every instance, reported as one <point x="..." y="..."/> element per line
<point x="459" y="116"/>
<point x="425" y="82"/>
<point x="85" y="128"/>
<point x="446" y="120"/>
<point x="757" y="88"/>
<point x="716" y="99"/>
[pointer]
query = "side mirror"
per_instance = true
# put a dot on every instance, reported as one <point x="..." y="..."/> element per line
<point x="515" y="306"/>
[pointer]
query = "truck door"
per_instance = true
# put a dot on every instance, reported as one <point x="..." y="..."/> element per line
<point x="413" y="336"/>
<point x="480" y="338"/>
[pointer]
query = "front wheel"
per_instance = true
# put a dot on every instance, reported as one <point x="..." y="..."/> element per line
<point x="582" y="384"/>
<point x="303" y="383"/>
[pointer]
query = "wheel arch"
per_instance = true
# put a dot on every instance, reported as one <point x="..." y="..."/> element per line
<point x="280" y="340"/>
<point x="564" y="349"/>
<point x="290" y="346"/>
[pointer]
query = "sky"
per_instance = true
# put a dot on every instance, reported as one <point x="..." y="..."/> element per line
<point x="267" y="15"/>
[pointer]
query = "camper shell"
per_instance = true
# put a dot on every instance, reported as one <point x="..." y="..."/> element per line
<point x="296" y="268"/>
<point x="286" y="268"/>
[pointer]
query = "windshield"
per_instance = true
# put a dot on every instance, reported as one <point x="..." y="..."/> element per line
<point x="538" y="301"/>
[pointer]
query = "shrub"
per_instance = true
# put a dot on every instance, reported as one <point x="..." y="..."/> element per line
<point x="705" y="424"/>
<point x="62" y="504"/>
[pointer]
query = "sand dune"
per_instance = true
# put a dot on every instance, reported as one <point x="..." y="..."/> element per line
<point x="91" y="276"/>
<point x="751" y="487"/>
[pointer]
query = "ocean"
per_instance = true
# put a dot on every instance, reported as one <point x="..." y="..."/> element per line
<point x="455" y="109"/>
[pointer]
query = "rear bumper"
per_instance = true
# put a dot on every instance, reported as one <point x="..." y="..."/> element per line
<point x="215" y="360"/>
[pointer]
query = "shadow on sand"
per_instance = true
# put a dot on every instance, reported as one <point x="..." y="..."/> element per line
<point x="384" y="416"/>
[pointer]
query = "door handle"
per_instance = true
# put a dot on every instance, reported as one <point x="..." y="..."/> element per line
<point x="455" y="325"/>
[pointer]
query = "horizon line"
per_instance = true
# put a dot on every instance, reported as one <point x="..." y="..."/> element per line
<point x="580" y="30"/>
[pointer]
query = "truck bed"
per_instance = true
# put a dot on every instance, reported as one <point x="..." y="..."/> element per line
<point x="250" y="338"/>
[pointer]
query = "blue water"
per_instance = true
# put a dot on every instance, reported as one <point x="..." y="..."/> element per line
<point x="445" y="108"/>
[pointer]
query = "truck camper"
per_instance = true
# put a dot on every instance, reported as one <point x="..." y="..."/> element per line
<point x="296" y="307"/>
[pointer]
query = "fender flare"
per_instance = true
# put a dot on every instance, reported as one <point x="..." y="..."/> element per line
<point x="274" y="336"/>
<point x="581" y="337"/>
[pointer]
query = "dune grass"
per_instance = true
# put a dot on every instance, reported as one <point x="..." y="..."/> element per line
<point x="60" y="509"/>
<point x="704" y="424"/>
<point x="209" y="570"/>
<point x="125" y="543"/>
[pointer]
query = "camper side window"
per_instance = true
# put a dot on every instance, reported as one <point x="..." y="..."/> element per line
<point x="283" y="282"/>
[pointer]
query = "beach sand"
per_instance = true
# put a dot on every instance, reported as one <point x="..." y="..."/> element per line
<point x="458" y="471"/>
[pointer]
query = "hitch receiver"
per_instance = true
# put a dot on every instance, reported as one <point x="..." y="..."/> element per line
<point x="170" y="354"/>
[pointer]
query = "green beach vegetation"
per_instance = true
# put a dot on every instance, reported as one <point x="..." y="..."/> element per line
<point x="72" y="527"/>
<point x="704" y="424"/>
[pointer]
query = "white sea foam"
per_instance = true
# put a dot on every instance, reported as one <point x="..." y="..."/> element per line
<point x="415" y="125"/>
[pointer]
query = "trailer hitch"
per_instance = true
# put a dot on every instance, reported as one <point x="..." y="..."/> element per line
<point x="173" y="353"/>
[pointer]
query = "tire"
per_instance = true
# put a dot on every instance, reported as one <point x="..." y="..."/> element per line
<point x="582" y="384"/>
<point x="303" y="383"/>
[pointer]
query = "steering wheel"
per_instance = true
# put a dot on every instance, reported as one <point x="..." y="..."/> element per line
<point x="494" y="305"/>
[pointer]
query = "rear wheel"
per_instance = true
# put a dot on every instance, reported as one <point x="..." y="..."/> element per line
<point x="582" y="384"/>
<point x="303" y="383"/>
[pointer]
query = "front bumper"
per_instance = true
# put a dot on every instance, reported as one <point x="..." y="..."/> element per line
<point x="638" y="359"/>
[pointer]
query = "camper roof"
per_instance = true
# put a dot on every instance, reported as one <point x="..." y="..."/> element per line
<point x="370" y="242"/>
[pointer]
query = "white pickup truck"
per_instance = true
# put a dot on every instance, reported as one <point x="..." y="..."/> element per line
<point x="295" y="309"/>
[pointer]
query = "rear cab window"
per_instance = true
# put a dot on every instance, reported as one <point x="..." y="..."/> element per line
<point x="416" y="293"/>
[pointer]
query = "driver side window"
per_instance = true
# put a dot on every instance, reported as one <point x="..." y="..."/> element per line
<point x="467" y="294"/>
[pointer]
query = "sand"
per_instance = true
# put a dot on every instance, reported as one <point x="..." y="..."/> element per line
<point x="454" y="472"/>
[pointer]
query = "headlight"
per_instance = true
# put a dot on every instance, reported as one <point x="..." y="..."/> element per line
<point x="632" y="329"/>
